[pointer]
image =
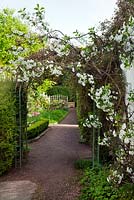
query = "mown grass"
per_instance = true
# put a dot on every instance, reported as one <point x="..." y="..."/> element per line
<point x="54" y="116"/>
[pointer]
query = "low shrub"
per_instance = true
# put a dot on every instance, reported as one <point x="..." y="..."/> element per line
<point x="7" y="153"/>
<point x="83" y="164"/>
<point x="96" y="187"/>
<point x="37" y="128"/>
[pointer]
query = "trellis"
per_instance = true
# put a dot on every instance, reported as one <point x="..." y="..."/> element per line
<point x="59" y="98"/>
<point x="22" y="127"/>
<point x="106" y="70"/>
<point x="95" y="147"/>
<point x="21" y="123"/>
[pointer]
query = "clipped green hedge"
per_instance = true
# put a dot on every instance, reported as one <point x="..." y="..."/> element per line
<point x="7" y="125"/>
<point x="37" y="128"/>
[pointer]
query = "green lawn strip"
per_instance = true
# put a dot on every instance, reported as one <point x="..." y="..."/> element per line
<point x="39" y="123"/>
<point x="54" y="116"/>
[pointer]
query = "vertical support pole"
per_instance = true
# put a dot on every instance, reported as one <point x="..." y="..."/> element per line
<point x="93" y="145"/>
<point x="98" y="147"/>
<point x="49" y="106"/>
<point x="67" y="102"/>
<point x="15" y="159"/>
<point x="20" y="125"/>
<point x="26" y="139"/>
<point x="26" y="142"/>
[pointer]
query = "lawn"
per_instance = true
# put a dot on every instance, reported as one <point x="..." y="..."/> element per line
<point x="54" y="116"/>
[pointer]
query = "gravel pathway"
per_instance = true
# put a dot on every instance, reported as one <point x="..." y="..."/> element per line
<point x="51" y="161"/>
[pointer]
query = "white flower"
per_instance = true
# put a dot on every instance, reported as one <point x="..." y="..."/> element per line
<point x="114" y="133"/>
<point x="111" y="119"/>
<point x="131" y="152"/>
<point x="122" y="134"/>
<point x="120" y="178"/>
<point x="118" y="38"/>
<point x="20" y="49"/>
<point x="78" y="74"/>
<point x="126" y="140"/>
<point x="129" y="170"/>
<point x="73" y="70"/>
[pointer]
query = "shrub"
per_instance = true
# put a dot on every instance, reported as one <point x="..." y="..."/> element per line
<point x="59" y="89"/>
<point x="82" y="164"/>
<point x="37" y="128"/>
<point x="96" y="186"/>
<point x="7" y="125"/>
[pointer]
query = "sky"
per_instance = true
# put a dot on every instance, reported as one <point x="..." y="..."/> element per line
<point x="69" y="15"/>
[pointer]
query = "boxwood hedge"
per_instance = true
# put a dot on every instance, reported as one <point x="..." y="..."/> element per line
<point x="37" y="128"/>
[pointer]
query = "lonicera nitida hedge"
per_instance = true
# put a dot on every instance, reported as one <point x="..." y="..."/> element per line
<point x="37" y="128"/>
<point x="7" y="125"/>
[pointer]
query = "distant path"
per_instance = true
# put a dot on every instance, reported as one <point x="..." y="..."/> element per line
<point x="51" y="161"/>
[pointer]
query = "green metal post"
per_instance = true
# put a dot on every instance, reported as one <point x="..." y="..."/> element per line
<point x="98" y="147"/>
<point x="20" y="126"/>
<point x="93" y="145"/>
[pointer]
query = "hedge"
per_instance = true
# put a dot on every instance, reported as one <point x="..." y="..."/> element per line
<point x="7" y="125"/>
<point x="37" y="128"/>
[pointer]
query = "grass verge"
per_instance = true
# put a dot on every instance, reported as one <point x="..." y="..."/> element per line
<point x="54" y="116"/>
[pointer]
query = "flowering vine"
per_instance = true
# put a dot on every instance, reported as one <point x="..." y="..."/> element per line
<point x="85" y="58"/>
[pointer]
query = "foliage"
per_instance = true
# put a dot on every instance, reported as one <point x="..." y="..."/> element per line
<point x="12" y="41"/>
<point x="64" y="87"/>
<point x="7" y="125"/>
<point x="46" y="86"/>
<point x="58" y="89"/>
<point x="37" y="128"/>
<point x="60" y="103"/>
<point x="37" y="98"/>
<point x="123" y="147"/>
<point x="131" y="96"/>
<point x="17" y="42"/>
<point x="92" y="121"/>
<point x="70" y="86"/>
<point x="96" y="187"/>
<point x="84" y="105"/>
<point x="8" y="25"/>
<point x="82" y="164"/>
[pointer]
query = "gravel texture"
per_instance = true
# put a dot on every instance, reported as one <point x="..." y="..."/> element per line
<point x="51" y="161"/>
<point x="17" y="190"/>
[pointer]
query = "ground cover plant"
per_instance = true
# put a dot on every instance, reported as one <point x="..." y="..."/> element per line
<point x="96" y="187"/>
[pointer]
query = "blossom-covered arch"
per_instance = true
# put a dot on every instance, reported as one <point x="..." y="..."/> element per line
<point x="96" y="63"/>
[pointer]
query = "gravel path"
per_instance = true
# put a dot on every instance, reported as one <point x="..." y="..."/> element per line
<point x="51" y="161"/>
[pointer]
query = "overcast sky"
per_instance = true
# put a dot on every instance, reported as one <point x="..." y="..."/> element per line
<point x="69" y="15"/>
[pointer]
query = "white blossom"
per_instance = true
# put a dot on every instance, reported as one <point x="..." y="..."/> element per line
<point x="129" y="170"/>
